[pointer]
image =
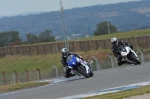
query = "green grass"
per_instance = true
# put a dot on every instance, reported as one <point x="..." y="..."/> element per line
<point x="120" y="35"/>
<point x="20" y="63"/>
<point x="123" y="94"/>
<point x="43" y="62"/>
<point x="21" y="86"/>
<point x="127" y="34"/>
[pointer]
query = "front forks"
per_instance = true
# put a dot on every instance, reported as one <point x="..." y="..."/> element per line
<point x="76" y="72"/>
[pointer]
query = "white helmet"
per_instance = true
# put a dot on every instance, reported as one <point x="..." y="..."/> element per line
<point x="64" y="52"/>
<point x="114" y="40"/>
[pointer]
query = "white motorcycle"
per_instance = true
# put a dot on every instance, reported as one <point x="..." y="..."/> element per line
<point x="129" y="55"/>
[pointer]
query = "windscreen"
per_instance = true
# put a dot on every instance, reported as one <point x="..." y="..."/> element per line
<point x="122" y="48"/>
<point x="71" y="60"/>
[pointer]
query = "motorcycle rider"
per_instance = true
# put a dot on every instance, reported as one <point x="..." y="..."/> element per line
<point x="65" y="53"/>
<point x="115" y="45"/>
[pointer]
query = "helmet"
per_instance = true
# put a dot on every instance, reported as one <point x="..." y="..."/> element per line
<point x="64" y="52"/>
<point x="114" y="40"/>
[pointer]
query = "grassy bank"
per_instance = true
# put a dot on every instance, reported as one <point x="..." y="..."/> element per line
<point x="20" y="63"/>
<point x="120" y="35"/>
<point x="16" y="87"/>
<point x="123" y="94"/>
<point x="43" y="62"/>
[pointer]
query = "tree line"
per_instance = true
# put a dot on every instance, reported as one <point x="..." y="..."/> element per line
<point x="105" y="27"/>
<point x="126" y="16"/>
<point x="11" y="38"/>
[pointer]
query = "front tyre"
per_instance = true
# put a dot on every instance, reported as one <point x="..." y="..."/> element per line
<point x="135" y="59"/>
<point x="82" y="71"/>
<point x="91" y="74"/>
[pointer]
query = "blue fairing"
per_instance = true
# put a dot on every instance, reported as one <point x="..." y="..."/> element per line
<point x="71" y="60"/>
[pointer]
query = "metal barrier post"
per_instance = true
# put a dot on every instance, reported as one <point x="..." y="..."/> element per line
<point x="116" y="61"/>
<point x="27" y="74"/>
<point x="142" y="56"/>
<point x="38" y="74"/>
<point x="97" y="63"/>
<point x="112" y="62"/>
<point x="16" y="76"/>
<point x="5" y="81"/>
<point x="56" y="70"/>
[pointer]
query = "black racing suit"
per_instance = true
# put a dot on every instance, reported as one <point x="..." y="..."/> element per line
<point x="117" y="53"/>
<point x="68" y="70"/>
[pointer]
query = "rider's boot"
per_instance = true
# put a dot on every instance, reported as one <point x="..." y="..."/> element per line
<point x="69" y="75"/>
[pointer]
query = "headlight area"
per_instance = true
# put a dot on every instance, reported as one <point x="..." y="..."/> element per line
<point x="124" y="53"/>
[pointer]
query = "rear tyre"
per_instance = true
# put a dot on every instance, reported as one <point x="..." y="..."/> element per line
<point x="82" y="71"/>
<point x="135" y="59"/>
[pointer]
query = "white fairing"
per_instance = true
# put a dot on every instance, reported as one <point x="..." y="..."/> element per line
<point x="128" y="50"/>
<point x="78" y="60"/>
<point x="134" y="53"/>
<point x="69" y="66"/>
<point x="83" y="64"/>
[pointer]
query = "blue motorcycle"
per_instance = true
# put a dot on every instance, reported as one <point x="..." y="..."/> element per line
<point x="79" y="67"/>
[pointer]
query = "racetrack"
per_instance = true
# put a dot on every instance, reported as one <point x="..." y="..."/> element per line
<point x="102" y="79"/>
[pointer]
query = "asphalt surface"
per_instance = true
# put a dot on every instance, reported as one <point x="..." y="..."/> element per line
<point x="102" y="79"/>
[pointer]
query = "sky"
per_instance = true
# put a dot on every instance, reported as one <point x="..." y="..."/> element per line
<point x="17" y="7"/>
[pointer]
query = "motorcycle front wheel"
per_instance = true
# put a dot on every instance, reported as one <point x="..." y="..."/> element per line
<point x="82" y="71"/>
<point x="91" y="74"/>
<point x="135" y="59"/>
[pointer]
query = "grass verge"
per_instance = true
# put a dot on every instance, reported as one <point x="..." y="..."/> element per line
<point x="128" y="34"/>
<point x="21" y="86"/>
<point x="43" y="62"/>
<point x="123" y="94"/>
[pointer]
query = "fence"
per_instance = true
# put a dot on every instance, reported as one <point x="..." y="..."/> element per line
<point x="26" y="76"/>
<point x="137" y="42"/>
<point x="109" y="62"/>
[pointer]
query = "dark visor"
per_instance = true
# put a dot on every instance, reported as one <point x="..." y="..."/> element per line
<point x="114" y="42"/>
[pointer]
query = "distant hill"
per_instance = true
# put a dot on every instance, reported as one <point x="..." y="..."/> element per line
<point x="82" y="21"/>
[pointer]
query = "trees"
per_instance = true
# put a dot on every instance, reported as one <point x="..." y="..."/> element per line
<point x="32" y="38"/>
<point x="9" y="37"/>
<point x="104" y="28"/>
<point x="46" y="36"/>
<point x="43" y="37"/>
